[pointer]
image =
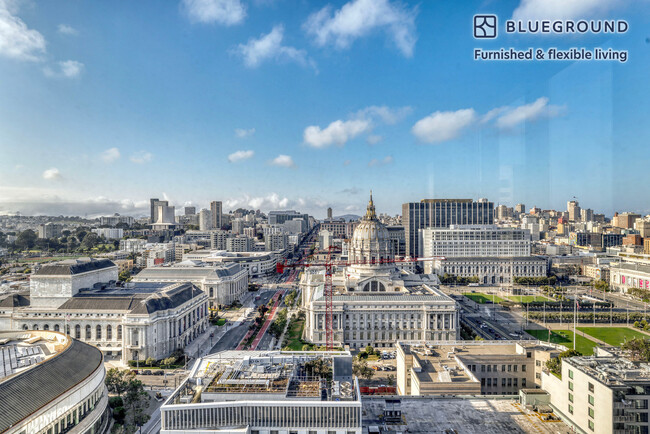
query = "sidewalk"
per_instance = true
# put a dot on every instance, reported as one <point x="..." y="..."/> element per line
<point x="201" y="345"/>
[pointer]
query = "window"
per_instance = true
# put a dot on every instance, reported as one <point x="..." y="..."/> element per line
<point x="119" y="332"/>
<point x="591" y="412"/>
<point x="98" y="333"/>
<point x="489" y="368"/>
<point x="523" y="382"/>
<point x="482" y="382"/>
<point x="591" y="387"/>
<point x="570" y="397"/>
<point x="570" y="374"/>
<point x="88" y="337"/>
<point x="509" y="382"/>
<point x="77" y="331"/>
<point x="514" y="367"/>
<point x="523" y="368"/>
<point x="515" y="381"/>
<point x="482" y="368"/>
<point x="591" y="399"/>
<point x="570" y="385"/>
<point x="503" y="382"/>
<point x="509" y="368"/>
<point x="109" y="332"/>
<point x="591" y="425"/>
<point x="503" y="368"/>
<point x="570" y="409"/>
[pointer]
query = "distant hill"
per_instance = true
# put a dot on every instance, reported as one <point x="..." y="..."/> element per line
<point x="348" y="217"/>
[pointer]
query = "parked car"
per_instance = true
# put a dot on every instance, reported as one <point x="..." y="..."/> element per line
<point x="146" y="372"/>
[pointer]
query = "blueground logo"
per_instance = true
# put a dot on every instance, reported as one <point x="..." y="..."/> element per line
<point x="485" y="26"/>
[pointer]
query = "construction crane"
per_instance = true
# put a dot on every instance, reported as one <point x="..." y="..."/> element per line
<point x="327" y="290"/>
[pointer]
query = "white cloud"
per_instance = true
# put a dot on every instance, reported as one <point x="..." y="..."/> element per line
<point x="17" y="41"/>
<point x="442" y="126"/>
<point x="66" y="69"/>
<point x="283" y="161"/>
<point x="268" y="47"/>
<point x="359" y="18"/>
<point x="240" y="156"/>
<point x="141" y="157"/>
<point x="52" y="174"/>
<point x="562" y="9"/>
<point x="111" y="155"/>
<point x="65" y="29"/>
<point x="384" y="161"/>
<point x="373" y="139"/>
<point x="241" y="133"/>
<point x="386" y="114"/>
<point x="510" y="117"/>
<point x="226" y="12"/>
<point x="338" y="132"/>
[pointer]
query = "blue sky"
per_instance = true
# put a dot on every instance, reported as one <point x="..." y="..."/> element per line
<point x="297" y="104"/>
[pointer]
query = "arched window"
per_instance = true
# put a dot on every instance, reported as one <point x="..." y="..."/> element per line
<point x="77" y="331"/>
<point x="25" y="327"/>
<point x="211" y="292"/>
<point x="98" y="332"/>
<point x="56" y="327"/>
<point x="46" y="327"/>
<point x="109" y="332"/>
<point x="88" y="337"/>
<point x="35" y="327"/>
<point x="119" y="332"/>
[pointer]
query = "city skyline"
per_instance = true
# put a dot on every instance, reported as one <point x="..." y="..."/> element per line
<point x="248" y="107"/>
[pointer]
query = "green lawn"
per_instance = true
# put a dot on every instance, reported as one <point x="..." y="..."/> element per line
<point x="565" y="337"/>
<point x="613" y="335"/>
<point x="294" y="334"/>
<point x="481" y="298"/>
<point x="527" y="298"/>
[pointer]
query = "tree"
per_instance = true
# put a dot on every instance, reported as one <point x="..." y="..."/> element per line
<point x="555" y="364"/>
<point x="118" y="380"/>
<point x="639" y="349"/>
<point x="124" y="276"/>
<point x="26" y="239"/>
<point x="89" y="241"/>
<point x="601" y="285"/>
<point x="150" y="361"/>
<point x="361" y="369"/>
<point x="370" y="350"/>
<point x="390" y="379"/>
<point x="136" y="401"/>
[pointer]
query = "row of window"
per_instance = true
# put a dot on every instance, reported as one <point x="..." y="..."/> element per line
<point x="505" y="382"/>
<point x="495" y="368"/>
<point x="75" y="415"/>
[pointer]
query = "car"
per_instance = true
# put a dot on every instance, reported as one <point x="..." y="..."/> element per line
<point x="146" y="372"/>
<point x="158" y="372"/>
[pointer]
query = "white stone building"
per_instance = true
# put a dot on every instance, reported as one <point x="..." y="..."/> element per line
<point x="137" y="322"/>
<point x="224" y="283"/>
<point x="375" y="301"/>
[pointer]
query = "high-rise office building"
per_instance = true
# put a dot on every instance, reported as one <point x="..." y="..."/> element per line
<point x="153" y="205"/>
<point x="329" y="213"/>
<point x="190" y="210"/>
<point x="205" y="220"/>
<point x="217" y="211"/>
<point x="441" y="213"/>
<point x="520" y="208"/>
<point x="573" y="207"/>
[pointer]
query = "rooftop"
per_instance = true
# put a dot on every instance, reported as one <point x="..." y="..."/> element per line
<point x="41" y="367"/>
<point x="73" y="266"/>
<point x="141" y="297"/>
<point x="269" y="375"/>
<point x="611" y="367"/>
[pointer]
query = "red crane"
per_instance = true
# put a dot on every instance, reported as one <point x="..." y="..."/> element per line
<point x="327" y="290"/>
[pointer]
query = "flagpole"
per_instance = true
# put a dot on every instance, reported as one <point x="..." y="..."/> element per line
<point x="575" y="315"/>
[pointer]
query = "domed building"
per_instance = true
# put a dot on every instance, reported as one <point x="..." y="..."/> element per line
<point x="370" y="242"/>
<point x="377" y="301"/>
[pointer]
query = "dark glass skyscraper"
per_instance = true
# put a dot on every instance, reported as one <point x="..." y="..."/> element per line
<point x="441" y="213"/>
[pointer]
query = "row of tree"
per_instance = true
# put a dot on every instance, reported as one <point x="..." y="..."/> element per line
<point x="586" y="317"/>
<point x="131" y="401"/>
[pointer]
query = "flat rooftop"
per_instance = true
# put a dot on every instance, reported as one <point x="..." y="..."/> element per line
<point x="611" y="367"/>
<point x="467" y="416"/>
<point x="269" y="375"/>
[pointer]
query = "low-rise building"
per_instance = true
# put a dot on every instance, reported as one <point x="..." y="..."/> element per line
<point x="603" y="393"/>
<point x="51" y="383"/>
<point x="471" y="367"/>
<point x="223" y="283"/>
<point x="491" y="270"/>
<point x="626" y="275"/>
<point x="79" y="297"/>
<point x="258" y="392"/>
<point x="257" y="264"/>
